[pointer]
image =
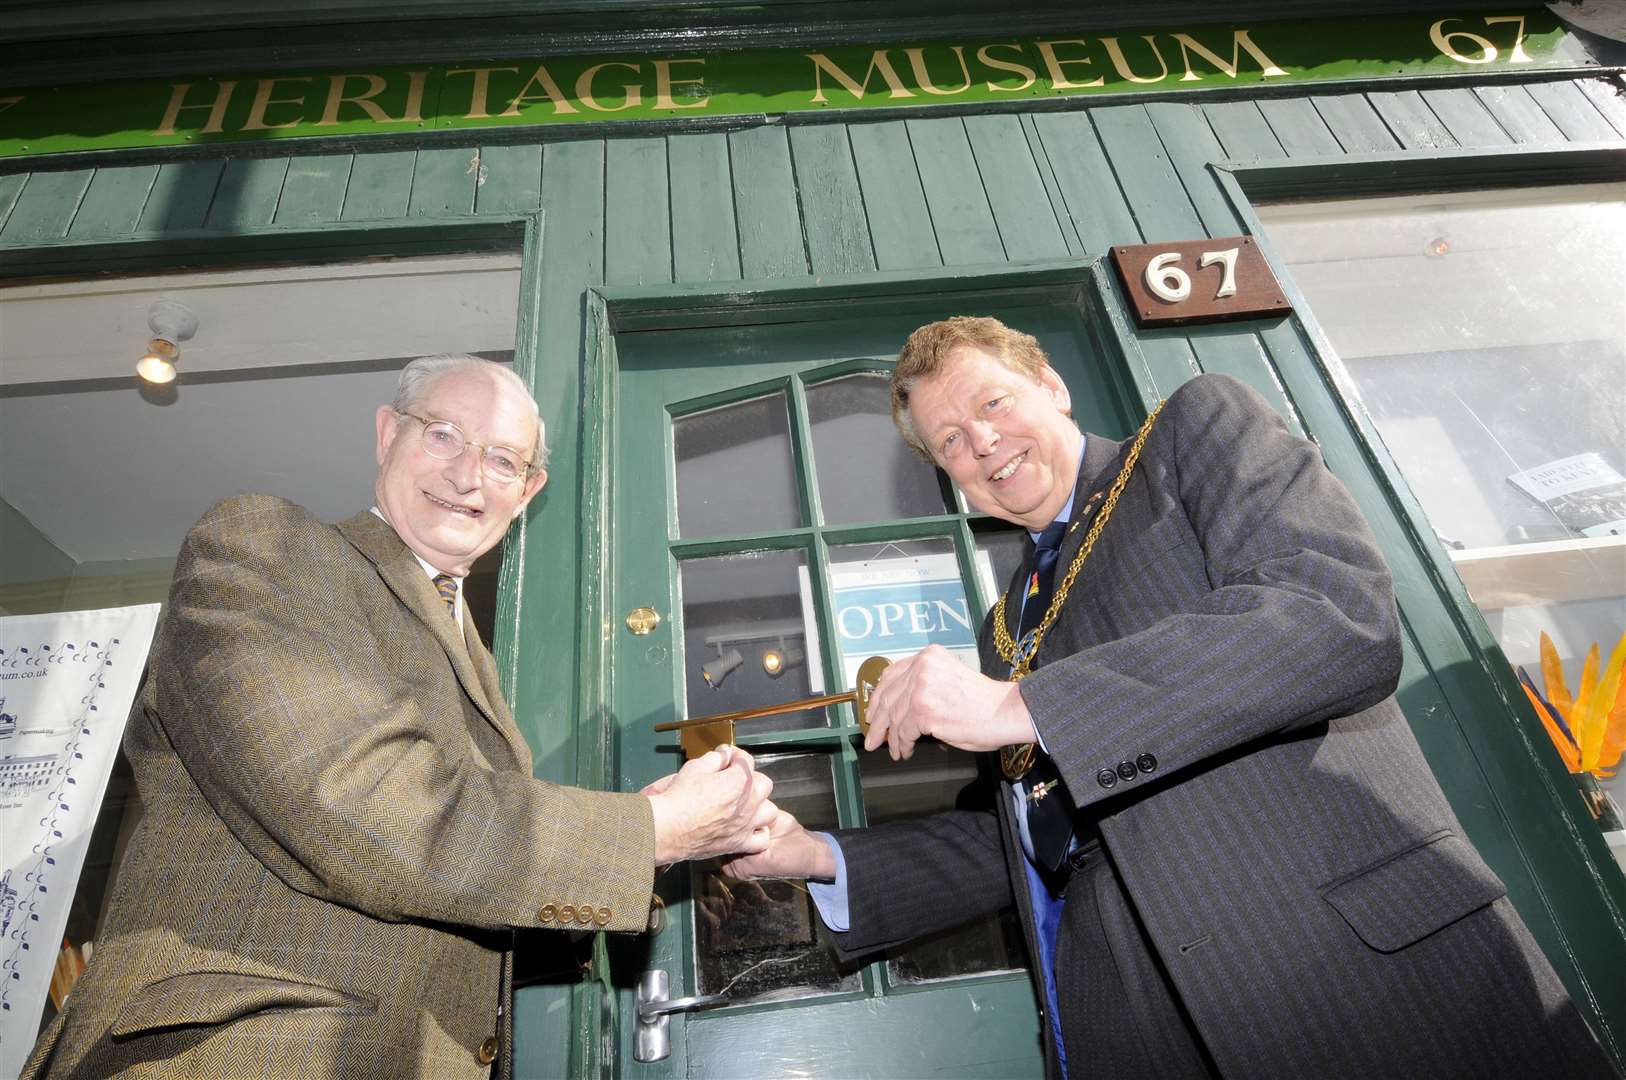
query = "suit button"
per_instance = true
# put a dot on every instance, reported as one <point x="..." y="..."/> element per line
<point x="488" y="1050"/>
<point x="584" y="914"/>
<point x="567" y="913"/>
<point x="1146" y="763"/>
<point x="1106" y="778"/>
<point x="1126" y="770"/>
<point x="548" y="913"/>
<point x="602" y="916"/>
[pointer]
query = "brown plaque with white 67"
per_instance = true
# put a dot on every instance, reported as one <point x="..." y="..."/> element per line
<point x="1191" y="281"/>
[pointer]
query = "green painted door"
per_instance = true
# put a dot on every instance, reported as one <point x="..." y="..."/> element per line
<point x="765" y="508"/>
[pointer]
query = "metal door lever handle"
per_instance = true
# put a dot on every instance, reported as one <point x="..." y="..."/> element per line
<point x="650" y="1010"/>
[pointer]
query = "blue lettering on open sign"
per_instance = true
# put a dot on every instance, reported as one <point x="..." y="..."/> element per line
<point x="903" y="618"/>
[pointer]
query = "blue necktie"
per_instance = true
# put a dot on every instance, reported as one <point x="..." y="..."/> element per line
<point x="1050" y="817"/>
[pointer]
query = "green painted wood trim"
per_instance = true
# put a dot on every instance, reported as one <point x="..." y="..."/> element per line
<point x="381" y="97"/>
<point x="1577" y="878"/>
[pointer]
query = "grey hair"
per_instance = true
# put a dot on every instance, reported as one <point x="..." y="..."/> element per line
<point x="421" y="374"/>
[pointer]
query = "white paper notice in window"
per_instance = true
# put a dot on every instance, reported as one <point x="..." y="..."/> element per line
<point x="66" y="684"/>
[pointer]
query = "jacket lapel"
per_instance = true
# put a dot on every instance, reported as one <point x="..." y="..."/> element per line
<point x="373" y="537"/>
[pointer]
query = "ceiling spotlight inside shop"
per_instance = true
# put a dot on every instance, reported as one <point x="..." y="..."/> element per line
<point x="1439" y="246"/>
<point x="777" y="661"/>
<point x="171" y="323"/>
<point x="717" y="670"/>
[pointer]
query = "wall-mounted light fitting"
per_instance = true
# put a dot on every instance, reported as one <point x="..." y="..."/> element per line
<point x="776" y="660"/>
<point x="171" y="323"/>
<point x="717" y="670"/>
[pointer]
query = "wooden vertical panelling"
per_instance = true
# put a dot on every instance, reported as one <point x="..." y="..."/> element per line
<point x="443" y="182"/>
<point x="765" y="204"/>
<point x="838" y="240"/>
<point x="513" y="179"/>
<point x="1191" y="144"/>
<point x="248" y="193"/>
<point x="1102" y="217"/>
<point x="1519" y="115"/>
<point x="1465" y="116"/>
<point x="313" y="191"/>
<point x="112" y="206"/>
<point x="1165" y="211"/>
<point x="45" y="209"/>
<point x="1608" y="96"/>
<point x="1572" y="112"/>
<point x="181" y="195"/>
<point x="1243" y="131"/>
<point x="1299" y="128"/>
<point x="1022" y="211"/>
<point x="10" y="188"/>
<point x="705" y="242"/>
<point x="899" y="222"/>
<point x="960" y="212"/>
<point x="1052" y="187"/>
<point x="379" y="187"/>
<point x="637" y="215"/>
<point x="1412" y="121"/>
<point x="1355" y="124"/>
<point x="1089" y="190"/>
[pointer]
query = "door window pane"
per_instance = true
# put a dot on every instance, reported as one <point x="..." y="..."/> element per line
<point x="739" y="612"/>
<point x="866" y="472"/>
<point x="734" y="469"/>
<point x="938" y="778"/>
<point x="759" y="940"/>
<point x="1484" y="331"/>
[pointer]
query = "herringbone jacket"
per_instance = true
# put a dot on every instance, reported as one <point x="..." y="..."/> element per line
<point x="340" y="830"/>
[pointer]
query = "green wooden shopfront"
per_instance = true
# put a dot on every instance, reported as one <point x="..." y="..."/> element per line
<point x="701" y="231"/>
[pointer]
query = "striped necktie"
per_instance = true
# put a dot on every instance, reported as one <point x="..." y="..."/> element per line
<point x="446" y="585"/>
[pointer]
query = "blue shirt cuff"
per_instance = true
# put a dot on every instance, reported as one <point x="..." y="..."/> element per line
<point x="831" y="897"/>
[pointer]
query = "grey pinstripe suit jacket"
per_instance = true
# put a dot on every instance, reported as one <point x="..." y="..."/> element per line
<point x="1292" y="858"/>
<point x="340" y="829"/>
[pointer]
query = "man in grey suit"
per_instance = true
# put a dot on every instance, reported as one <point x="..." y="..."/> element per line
<point x="1228" y="854"/>
<point x="341" y="831"/>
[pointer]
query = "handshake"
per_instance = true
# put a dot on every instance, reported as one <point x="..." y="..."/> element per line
<point x="718" y="804"/>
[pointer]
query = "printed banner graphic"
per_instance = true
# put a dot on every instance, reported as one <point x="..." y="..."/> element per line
<point x="66" y="684"/>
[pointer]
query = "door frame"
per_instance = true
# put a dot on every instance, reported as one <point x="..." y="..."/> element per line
<point x="1546" y="834"/>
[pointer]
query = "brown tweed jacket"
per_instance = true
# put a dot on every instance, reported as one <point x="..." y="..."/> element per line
<point x="340" y="830"/>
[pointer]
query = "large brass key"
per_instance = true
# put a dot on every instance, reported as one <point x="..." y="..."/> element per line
<point x="705" y="733"/>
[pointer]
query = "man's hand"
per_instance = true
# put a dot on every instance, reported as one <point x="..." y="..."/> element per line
<point x="716" y="804"/>
<point x="792" y="852"/>
<point x="932" y="693"/>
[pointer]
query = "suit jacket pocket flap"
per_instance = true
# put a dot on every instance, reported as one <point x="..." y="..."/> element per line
<point x="1408" y="897"/>
<point x="216" y="997"/>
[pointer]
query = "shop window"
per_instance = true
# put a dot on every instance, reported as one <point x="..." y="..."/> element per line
<point x="1483" y="332"/>
<point x="102" y="474"/>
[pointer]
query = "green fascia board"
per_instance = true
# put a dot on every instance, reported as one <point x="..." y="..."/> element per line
<point x="528" y="94"/>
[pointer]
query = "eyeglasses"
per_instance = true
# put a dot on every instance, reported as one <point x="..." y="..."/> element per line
<point x="447" y="442"/>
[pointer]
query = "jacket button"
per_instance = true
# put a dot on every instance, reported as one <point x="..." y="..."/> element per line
<point x="602" y="916"/>
<point x="567" y="913"/>
<point x="1126" y="770"/>
<point x="1146" y="763"/>
<point x="1106" y="778"/>
<point x="488" y="1050"/>
<point x="548" y="913"/>
<point x="584" y="914"/>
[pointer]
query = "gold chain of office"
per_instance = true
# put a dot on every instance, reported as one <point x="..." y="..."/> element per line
<point x="1017" y="758"/>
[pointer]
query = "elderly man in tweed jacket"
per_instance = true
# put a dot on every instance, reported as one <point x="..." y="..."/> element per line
<point x="341" y="831"/>
<point x="1228" y="854"/>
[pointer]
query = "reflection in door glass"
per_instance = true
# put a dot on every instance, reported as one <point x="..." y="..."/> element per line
<point x="938" y="778"/>
<point x="747" y="624"/>
<point x="734" y="469"/>
<point x="759" y="940"/>
<point x="866" y="472"/>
